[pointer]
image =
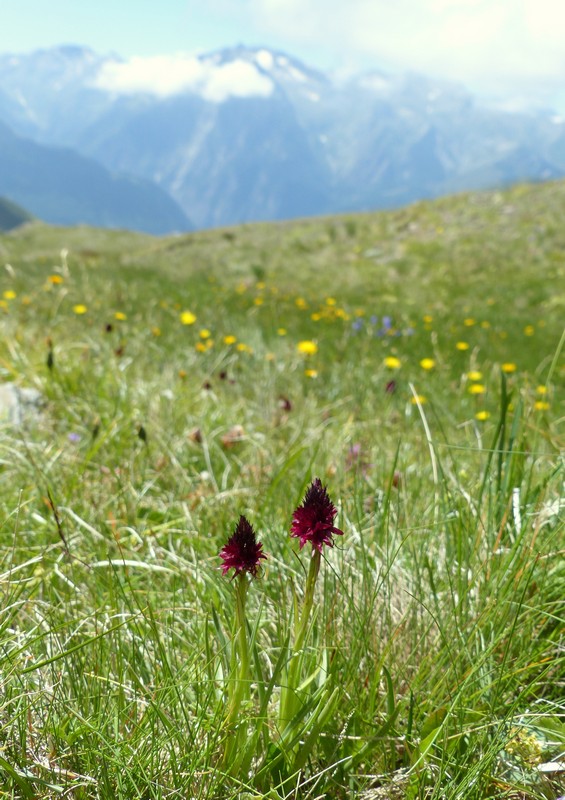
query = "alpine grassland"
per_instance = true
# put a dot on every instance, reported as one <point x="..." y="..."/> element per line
<point x="286" y="519"/>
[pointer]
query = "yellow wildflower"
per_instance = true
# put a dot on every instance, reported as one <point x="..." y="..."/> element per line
<point x="529" y="330"/>
<point x="418" y="399"/>
<point x="508" y="367"/>
<point x="427" y="363"/>
<point x="187" y="318"/>
<point x="79" y="308"/>
<point x="311" y="373"/>
<point x="120" y="316"/>
<point x="9" y="294"/>
<point x="462" y="346"/>
<point x="477" y="388"/>
<point x="204" y="333"/>
<point x="230" y="339"/>
<point x="468" y="322"/>
<point x="482" y="415"/>
<point x="541" y="405"/>
<point x="475" y="375"/>
<point x="392" y="362"/>
<point x="307" y="347"/>
<point x="55" y="279"/>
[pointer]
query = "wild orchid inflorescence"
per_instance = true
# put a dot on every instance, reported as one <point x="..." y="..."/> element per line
<point x="242" y="551"/>
<point x="301" y="712"/>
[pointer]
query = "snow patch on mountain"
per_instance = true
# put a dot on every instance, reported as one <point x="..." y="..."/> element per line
<point x="379" y="84"/>
<point x="165" y="76"/>
<point x="265" y="59"/>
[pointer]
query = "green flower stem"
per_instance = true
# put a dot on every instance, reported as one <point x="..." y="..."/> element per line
<point x="289" y="701"/>
<point x="239" y="685"/>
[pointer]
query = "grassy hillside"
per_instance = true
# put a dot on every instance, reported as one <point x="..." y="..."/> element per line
<point x="412" y="361"/>
<point x="12" y="215"/>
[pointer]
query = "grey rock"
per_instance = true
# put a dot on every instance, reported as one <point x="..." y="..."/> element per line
<point x="18" y="404"/>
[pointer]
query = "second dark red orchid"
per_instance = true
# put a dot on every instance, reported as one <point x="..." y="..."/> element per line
<point x="313" y="521"/>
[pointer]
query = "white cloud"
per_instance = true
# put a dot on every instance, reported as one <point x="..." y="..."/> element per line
<point x="512" y="49"/>
<point x="169" y="75"/>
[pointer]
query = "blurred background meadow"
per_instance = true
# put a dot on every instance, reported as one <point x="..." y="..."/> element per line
<point x="412" y="360"/>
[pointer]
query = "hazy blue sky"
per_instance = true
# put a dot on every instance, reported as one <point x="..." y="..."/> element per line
<point x="510" y="47"/>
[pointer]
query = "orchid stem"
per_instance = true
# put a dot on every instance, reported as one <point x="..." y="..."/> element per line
<point x="289" y="701"/>
<point x="239" y="684"/>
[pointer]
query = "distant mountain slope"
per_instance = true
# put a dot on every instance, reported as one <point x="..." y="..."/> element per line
<point x="240" y="160"/>
<point x="12" y="215"/>
<point x="64" y="188"/>
<point x="253" y="134"/>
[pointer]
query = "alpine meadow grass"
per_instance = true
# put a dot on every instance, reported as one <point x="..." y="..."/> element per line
<point x="288" y="521"/>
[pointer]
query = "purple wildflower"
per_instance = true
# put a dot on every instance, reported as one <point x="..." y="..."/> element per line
<point x="313" y="520"/>
<point x="242" y="551"/>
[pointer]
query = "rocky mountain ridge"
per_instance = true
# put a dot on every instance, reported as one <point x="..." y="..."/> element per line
<point x="248" y="134"/>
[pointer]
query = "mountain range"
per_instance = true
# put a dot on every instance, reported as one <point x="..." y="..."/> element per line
<point x="246" y="134"/>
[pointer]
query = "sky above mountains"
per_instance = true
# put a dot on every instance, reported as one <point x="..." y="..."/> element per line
<point x="511" y="50"/>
